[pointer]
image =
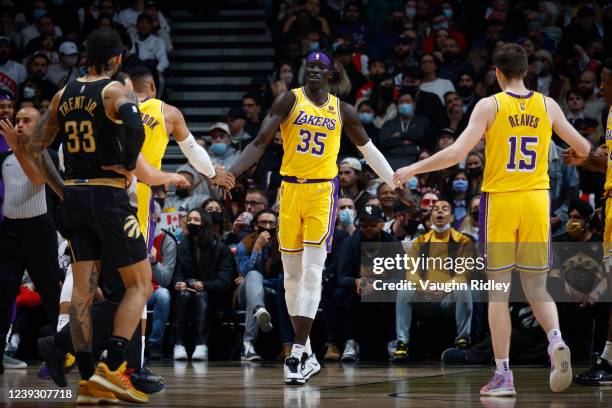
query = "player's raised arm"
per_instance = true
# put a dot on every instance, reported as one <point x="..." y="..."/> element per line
<point x="579" y="145"/>
<point x="482" y="116"/>
<point x="252" y="153"/>
<point x="355" y="131"/>
<point x="196" y="155"/>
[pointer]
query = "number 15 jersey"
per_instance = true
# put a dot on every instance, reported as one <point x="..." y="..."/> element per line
<point x="311" y="138"/>
<point x="517" y="144"/>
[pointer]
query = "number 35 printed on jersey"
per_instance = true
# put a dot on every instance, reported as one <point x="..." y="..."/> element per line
<point x="526" y="158"/>
<point x="313" y="145"/>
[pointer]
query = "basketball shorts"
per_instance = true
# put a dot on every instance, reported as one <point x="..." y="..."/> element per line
<point x="607" y="238"/>
<point x="307" y="214"/>
<point x="102" y="225"/>
<point x="146" y="214"/>
<point x="515" y="230"/>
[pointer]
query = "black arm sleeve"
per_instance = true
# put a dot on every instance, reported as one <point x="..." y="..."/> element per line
<point x="134" y="130"/>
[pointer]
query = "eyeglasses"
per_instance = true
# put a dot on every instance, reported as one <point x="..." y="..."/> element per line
<point x="253" y="203"/>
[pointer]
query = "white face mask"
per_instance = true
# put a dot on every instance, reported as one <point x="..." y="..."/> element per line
<point x="29" y="92"/>
<point x="440" y="230"/>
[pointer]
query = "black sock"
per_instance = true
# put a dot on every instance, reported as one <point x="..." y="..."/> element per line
<point x="117" y="350"/>
<point x="85" y="363"/>
<point x="63" y="340"/>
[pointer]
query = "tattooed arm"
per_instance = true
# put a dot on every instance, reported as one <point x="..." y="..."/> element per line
<point x="36" y="147"/>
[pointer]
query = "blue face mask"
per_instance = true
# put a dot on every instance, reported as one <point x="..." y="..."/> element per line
<point x="413" y="183"/>
<point x="218" y="149"/>
<point x="460" y="186"/>
<point x="444" y="25"/>
<point x="313" y="46"/>
<point x="346" y="217"/>
<point x="366" y="117"/>
<point x="38" y="13"/>
<point x="448" y="12"/>
<point x="405" y="109"/>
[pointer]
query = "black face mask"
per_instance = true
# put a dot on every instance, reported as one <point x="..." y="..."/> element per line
<point x="475" y="172"/>
<point x="194" y="230"/>
<point x="276" y="149"/>
<point x="182" y="192"/>
<point x="160" y="201"/>
<point x="271" y="231"/>
<point x="216" y="217"/>
<point x="411" y="227"/>
<point x="464" y="91"/>
<point x="475" y="215"/>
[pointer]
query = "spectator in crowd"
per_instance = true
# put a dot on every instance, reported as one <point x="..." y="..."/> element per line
<point x="382" y="98"/>
<point x="8" y="27"/>
<point x="221" y="150"/>
<point x="340" y="85"/>
<point x="376" y="69"/>
<point x="474" y="166"/>
<point x="259" y="262"/>
<point x="203" y="281"/>
<point x="546" y="80"/>
<point x="353" y="26"/>
<point x="186" y="198"/>
<point x="427" y="103"/>
<point x="150" y="49"/>
<point x="284" y="79"/>
<point x="586" y="126"/>
<point x="588" y="88"/>
<point x="128" y="17"/>
<point x="470" y="224"/>
<point x="366" y="116"/>
<point x="236" y="119"/>
<point x="161" y="28"/>
<point x="453" y="63"/>
<point x="387" y="197"/>
<point x="404" y="53"/>
<point x="309" y="10"/>
<point x="459" y="198"/>
<point x="346" y="215"/>
<point x="66" y="69"/>
<point x="252" y="109"/>
<point x="446" y="137"/>
<point x="352" y="183"/>
<point x="457" y="119"/>
<point x="437" y="243"/>
<point x="431" y="82"/>
<point x="353" y="64"/>
<point x="46" y="29"/>
<point x="466" y="90"/>
<point x="36" y="87"/>
<point x="43" y="24"/>
<point x="401" y="137"/>
<point x="12" y="73"/>
<point x="163" y="262"/>
<point x="404" y="225"/>
<point x="47" y="46"/>
<point x="351" y="283"/>
<point x="214" y="208"/>
<point x="564" y="187"/>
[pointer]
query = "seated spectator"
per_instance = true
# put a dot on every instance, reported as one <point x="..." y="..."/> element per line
<point x="376" y="68"/>
<point x="128" y="17"/>
<point x="366" y="116"/>
<point x="446" y="137"/>
<point x="405" y="223"/>
<point x="466" y="90"/>
<point x="284" y="79"/>
<point x="564" y="187"/>
<point x="214" y="208"/>
<point x="387" y="197"/>
<point x="340" y="84"/>
<point x="453" y="62"/>
<point x="255" y="200"/>
<point x="66" y="69"/>
<point x="186" y="198"/>
<point x="458" y="196"/>
<point x="401" y="137"/>
<point x="431" y="82"/>
<point x="588" y="88"/>
<point x="457" y="120"/>
<point x="404" y="53"/>
<point x="251" y="104"/>
<point x="161" y="28"/>
<point x="346" y="215"/>
<point x="163" y="262"/>
<point x="310" y="9"/>
<point x="346" y="297"/>
<point x="354" y="26"/>
<point x="470" y="224"/>
<point x="43" y="24"/>
<point x="47" y="47"/>
<point x="353" y="63"/>
<point x="458" y="301"/>
<point x="546" y="80"/>
<point x="89" y="15"/>
<point x="220" y="149"/>
<point x="12" y="73"/>
<point x="236" y="119"/>
<point x="427" y="103"/>
<point x="576" y="115"/>
<point x="8" y="28"/>
<point x="474" y="166"/>
<point x="437" y="40"/>
<point x="382" y="97"/>
<point x="259" y="262"/>
<point x="150" y="49"/>
<point x="36" y="87"/>
<point x="352" y="183"/>
<point x="203" y="282"/>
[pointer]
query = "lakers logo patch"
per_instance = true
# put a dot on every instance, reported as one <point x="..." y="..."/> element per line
<point x="131" y="227"/>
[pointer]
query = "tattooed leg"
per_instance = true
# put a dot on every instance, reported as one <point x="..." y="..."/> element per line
<point x="85" y="275"/>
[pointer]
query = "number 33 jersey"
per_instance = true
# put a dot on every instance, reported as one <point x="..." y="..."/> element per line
<point x="311" y="138"/>
<point x="90" y="138"/>
<point x="517" y="144"/>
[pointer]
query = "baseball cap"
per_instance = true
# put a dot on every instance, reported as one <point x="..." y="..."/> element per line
<point x="5" y="38"/>
<point x="447" y="131"/>
<point x="68" y="48"/>
<point x="221" y="125"/>
<point x="544" y="54"/>
<point x="353" y="163"/>
<point x="371" y="212"/>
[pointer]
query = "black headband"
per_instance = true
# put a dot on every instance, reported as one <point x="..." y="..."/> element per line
<point x="104" y="52"/>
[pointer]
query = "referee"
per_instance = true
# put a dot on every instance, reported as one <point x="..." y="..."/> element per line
<point x="28" y="236"/>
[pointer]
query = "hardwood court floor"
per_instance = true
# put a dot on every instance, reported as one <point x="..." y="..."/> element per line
<point x="233" y="384"/>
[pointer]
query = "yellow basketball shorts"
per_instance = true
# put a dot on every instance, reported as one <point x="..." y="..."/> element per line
<point x="515" y="230"/>
<point x="607" y="238"/>
<point x="307" y="214"/>
<point x="145" y="213"/>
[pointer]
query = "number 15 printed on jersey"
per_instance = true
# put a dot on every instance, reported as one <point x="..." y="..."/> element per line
<point x="526" y="157"/>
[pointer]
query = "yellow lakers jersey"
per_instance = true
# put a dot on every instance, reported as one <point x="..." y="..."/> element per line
<point x="153" y="149"/>
<point x="311" y="138"/>
<point x="517" y="143"/>
<point x="608" y="185"/>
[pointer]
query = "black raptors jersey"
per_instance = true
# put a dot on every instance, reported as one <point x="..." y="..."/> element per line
<point x="90" y="138"/>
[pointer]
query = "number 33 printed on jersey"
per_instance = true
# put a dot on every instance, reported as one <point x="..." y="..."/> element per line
<point x="307" y="138"/>
<point x="527" y="160"/>
<point x="80" y="136"/>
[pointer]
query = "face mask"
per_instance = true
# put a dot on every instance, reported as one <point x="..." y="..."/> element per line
<point x="405" y="109"/>
<point x="448" y="12"/>
<point x="413" y="183"/>
<point x="336" y="45"/>
<point x="271" y="231"/>
<point x="182" y="192"/>
<point x="475" y="215"/>
<point x="194" y="230"/>
<point x="71" y="60"/>
<point x="276" y="149"/>
<point x="411" y="227"/>
<point x="346" y="217"/>
<point x="218" y="149"/>
<point x="313" y="46"/>
<point x="440" y="230"/>
<point x="160" y="201"/>
<point x="475" y="172"/>
<point x="287" y="77"/>
<point x="410" y="12"/>
<point x="537" y="67"/>
<point x="38" y="13"/>
<point x="216" y="217"/>
<point x="464" y="91"/>
<point x="460" y="186"/>
<point x="366" y="117"/>
<point x="574" y="228"/>
<point x="29" y="92"/>
<point x="441" y="25"/>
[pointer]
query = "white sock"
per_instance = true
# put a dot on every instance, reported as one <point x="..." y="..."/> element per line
<point x="297" y="350"/>
<point x="606" y="354"/>
<point x="142" y="350"/>
<point x="307" y="348"/>
<point x="554" y="334"/>
<point x="503" y="365"/>
<point x="62" y="320"/>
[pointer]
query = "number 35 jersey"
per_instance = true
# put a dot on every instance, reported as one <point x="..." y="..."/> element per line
<point x="311" y="138"/>
<point x="517" y="144"/>
<point x="89" y="137"/>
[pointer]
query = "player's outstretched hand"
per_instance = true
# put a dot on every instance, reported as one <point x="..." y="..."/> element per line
<point x="10" y="133"/>
<point x="179" y="181"/>
<point x="129" y="174"/>
<point x="569" y="157"/>
<point x="223" y="178"/>
<point x="402" y="175"/>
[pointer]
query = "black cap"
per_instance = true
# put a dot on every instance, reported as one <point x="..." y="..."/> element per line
<point x="581" y="206"/>
<point x="371" y="212"/>
<point x="343" y="49"/>
<point x="447" y="131"/>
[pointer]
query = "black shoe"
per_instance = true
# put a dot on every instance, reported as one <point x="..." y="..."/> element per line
<point x="401" y="352"/>
<point x="55" y="360"/>
<point x="147" y="382"/>
<point x="155" y="352"/>
<point x="599" y="374"/>
<point x="454" y="355"/>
